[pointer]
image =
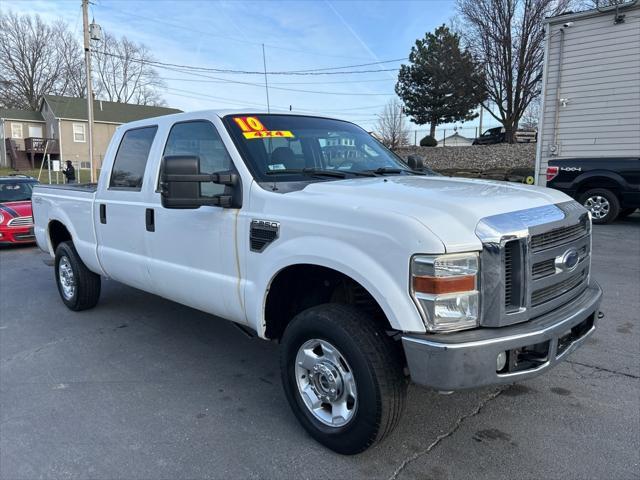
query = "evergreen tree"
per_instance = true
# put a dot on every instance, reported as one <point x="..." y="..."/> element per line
<point x="442" y="83"/>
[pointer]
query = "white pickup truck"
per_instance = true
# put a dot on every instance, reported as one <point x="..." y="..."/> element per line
<point x="308" y="232"/>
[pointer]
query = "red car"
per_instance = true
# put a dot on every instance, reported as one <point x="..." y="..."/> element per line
<point x="16" y="218"/>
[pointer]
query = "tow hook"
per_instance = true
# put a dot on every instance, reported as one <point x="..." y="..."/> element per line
<point x="600" y="315"/>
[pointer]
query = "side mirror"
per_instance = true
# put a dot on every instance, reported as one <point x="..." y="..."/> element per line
<point x="180" y="184"/>
<point x="415" y="162"/>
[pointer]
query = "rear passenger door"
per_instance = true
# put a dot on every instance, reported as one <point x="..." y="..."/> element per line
<point x="119" y="210"/>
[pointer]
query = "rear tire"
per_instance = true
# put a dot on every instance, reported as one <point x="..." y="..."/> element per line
<point x="602" y="203"/>
<point x="343" y="377"/>
<point x="78" y="286"/>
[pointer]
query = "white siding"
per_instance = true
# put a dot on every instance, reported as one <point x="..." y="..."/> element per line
<point x="600" y="79"/>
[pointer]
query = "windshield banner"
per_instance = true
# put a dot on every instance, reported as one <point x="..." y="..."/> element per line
<point x="253" y="128"/>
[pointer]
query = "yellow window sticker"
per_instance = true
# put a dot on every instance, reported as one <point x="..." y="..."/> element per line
<point x="253" y="128"/>
<point x="268" y="134"/>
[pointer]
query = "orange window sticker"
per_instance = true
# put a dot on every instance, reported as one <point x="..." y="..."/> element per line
<point x="253" y="128"/>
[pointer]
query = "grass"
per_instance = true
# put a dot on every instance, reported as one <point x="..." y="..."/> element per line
<point x="82" y="176"/>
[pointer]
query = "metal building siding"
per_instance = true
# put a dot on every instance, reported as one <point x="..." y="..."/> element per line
<point x="601" y="81"/>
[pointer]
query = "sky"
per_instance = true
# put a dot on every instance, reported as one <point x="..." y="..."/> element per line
<point x="297" y="35"/>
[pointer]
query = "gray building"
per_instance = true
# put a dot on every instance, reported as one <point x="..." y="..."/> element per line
<point x="591" y="86"/>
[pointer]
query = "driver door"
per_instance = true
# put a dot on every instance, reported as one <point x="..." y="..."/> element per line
<point x="193" y="257"/>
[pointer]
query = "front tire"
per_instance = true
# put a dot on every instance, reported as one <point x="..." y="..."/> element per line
<point x="78" y="286"/>
<point x="343" y="377"/>
<point x="602" y="203"/>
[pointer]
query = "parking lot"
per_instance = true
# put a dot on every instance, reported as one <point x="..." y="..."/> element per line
<point x="144" y="388"/>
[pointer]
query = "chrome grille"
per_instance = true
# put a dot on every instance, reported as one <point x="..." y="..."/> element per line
<point x="20" y="222"/>
<point x="512" y="276"/>
<point x="543" y="269"/>
<point x="558" y="236"/>
<point x="523" y="274"/>
<point x="553" y="291"/>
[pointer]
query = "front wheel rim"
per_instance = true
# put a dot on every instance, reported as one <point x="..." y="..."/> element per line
<point x="598" y="205"/>
<point x="326" y="383"/>
<point x="66" y="278"/>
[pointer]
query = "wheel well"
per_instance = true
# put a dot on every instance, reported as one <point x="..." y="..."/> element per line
<point x="58" y="233"/>
<point x="598" y="182"/>
<point x="299" y="287"/>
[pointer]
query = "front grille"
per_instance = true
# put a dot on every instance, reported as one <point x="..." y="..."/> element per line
<point x="512" y="276"/>
<point x="544" y="269"/>
<point x="548" y="267"/>
<point x="545" y="294"/>
<point x="24" y="236"/>
<point x="558" y="236"/>
<point x="20" y="222"/>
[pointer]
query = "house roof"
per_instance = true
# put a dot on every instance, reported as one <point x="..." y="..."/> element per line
<point x="16" y="114"/>
<point x="457" y="135"/>
<point x="113" y="112"/>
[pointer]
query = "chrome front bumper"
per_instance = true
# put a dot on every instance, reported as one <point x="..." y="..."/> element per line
<point x="468" y="359"/>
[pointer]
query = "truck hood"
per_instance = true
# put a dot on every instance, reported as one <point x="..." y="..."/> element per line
<point x="449" y="207"/>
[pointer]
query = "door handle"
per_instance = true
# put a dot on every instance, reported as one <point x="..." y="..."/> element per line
<point x="103" y="213"/>
<point x="149" y="216"/>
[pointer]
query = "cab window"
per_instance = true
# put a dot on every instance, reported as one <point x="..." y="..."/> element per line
<point x="200" y="138"/>
<point x="131" y="159"/>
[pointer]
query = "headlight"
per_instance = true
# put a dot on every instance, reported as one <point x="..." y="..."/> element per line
<point x="445" y="289"/>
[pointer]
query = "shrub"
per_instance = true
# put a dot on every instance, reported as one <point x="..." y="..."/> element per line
<point x="428" y="141"/>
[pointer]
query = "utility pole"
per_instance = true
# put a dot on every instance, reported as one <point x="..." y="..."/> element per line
<point x="480" y="122"/>
<point x="266" y="85"/>
<point x="87" y="63"/>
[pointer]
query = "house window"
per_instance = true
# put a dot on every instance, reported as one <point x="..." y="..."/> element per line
<point x="16" y="130"/>
<point x="78" y="133"/>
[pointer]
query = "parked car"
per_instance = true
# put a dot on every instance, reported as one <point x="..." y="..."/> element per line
<point x="608" y="187"/>
<point x="490" y="137"/>
<point x="360" y="267"/>
<point x="16" y="219"/>
<point x="497" y="135"/>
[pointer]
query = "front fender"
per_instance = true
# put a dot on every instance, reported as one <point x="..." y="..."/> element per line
<point x="385" y="286"/>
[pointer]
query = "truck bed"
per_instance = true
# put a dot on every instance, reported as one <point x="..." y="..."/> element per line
<point x="79" y="187"/>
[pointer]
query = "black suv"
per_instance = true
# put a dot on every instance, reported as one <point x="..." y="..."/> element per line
<point x="491" y="136"/>
<point x="608" y="187"/>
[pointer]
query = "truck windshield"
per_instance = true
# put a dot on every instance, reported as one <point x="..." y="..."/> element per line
<point x="293" y="148"/>
<point x="15" y="191"/>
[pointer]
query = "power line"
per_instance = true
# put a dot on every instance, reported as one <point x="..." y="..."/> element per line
<point x="272" y="87"/>
<point x="341" y="82"/>
<point x="324" y="71"/>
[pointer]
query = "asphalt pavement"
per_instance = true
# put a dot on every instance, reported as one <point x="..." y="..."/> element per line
<point x="143" y="388"/>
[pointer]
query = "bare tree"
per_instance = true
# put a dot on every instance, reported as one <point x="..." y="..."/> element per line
<point x="124" y="74"/>
<point x="29" y="60"/>
<point x="507" y="37"/>
<point x="391" y="127"/>
<point x="73" y="81"/>
<point x="531" y="115"/>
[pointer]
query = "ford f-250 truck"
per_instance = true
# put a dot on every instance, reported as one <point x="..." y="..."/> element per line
<point x="309" y="232"/>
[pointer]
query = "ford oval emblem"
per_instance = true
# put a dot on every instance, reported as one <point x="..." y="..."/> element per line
<point x="568" y="261"/>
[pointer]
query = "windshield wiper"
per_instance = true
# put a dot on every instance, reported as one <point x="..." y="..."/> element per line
<point x="392" y="170"/>
<point x="386" y="170"/>
<point x="309" y="171"/>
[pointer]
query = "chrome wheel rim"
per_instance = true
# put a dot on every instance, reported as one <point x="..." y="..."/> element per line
<point x="598" y="206"/>
<point x="67" y="279"/>
<point x="326" y="383"/>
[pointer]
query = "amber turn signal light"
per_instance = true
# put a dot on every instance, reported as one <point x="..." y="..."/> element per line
<point x="438" y="285"/>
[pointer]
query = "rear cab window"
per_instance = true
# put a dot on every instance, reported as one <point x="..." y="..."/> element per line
<point x="131" y="159"/>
